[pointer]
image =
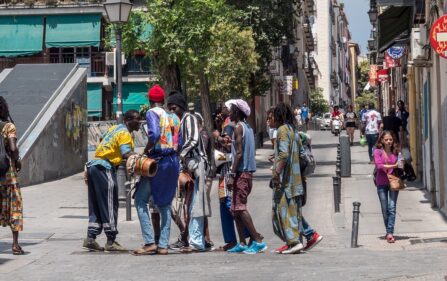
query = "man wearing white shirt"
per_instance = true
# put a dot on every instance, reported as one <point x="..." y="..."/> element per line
<point x="371" y="120"/>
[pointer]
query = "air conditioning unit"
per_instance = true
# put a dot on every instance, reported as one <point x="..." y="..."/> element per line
<point x="419" y="48"/>
<point x="110" y="58"/>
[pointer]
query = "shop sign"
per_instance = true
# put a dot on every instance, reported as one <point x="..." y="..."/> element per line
<point x="396" y="52"/>
<point x="390" y="62"/>
<point x="382" y="75"/>
<point x="288" y="85"/>
<point x="373" y="74"/>
<point x="438" y="36"/>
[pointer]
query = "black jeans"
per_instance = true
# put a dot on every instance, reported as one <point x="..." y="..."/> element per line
<point x="371" y="139"/>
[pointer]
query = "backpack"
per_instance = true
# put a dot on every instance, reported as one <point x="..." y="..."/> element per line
<point x="4" y="158"/>
<point x="307" y="160"/>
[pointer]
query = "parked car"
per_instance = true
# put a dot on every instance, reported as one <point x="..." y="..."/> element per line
<point x="325" y="123"/>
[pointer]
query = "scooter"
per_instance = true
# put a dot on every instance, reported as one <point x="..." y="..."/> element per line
<point x="336" y="126"/>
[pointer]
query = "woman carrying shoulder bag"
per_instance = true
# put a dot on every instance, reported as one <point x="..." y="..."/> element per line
<point x="386" y="161"/>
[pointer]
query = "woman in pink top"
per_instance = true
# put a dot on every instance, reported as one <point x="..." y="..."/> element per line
<point x="385" y="159"/>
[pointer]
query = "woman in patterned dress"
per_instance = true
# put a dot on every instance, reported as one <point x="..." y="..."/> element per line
<point x="10" y="196"/>
<point x="286" y="181"/>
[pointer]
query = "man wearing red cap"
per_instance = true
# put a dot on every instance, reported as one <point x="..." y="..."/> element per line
<point x="163" y="135"/>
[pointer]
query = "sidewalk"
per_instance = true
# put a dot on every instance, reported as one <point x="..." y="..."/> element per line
<point x="417" y="224"/>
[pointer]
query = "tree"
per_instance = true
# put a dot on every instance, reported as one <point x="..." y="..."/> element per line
<point x="271" y="22"/>
<point x="363" y="74"/>
<point x="318" y="104"/>
<point x="364" y="99"/>
<point x="203" y="39"/>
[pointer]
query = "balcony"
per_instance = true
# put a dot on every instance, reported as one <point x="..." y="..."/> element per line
<point x="334" y="80"/>
<point x="17" y="4"/>
<point x="135" y="66"/>
<point x="308" y="34"/>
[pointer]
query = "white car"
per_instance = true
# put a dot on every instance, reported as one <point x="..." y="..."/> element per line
<point x="325" y="123"/>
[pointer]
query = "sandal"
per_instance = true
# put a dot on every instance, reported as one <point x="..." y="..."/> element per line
<point x="17" y="251"/>
<point x="151" y="250"/>
<point x="390" y="238"/>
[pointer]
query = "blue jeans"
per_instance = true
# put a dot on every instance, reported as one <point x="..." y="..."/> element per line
<point x="142" y="196"/>
<point x="371" y="139"/>
<point x="227" y="221"/>
<point x="388" y="200"/>
<point x="196" y="224"/>
<point x="307" y="230"/>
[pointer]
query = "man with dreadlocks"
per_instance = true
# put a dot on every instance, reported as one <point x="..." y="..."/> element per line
<point x="11" y="208"/>
<point x="287" y="184"/>
<point x="241" y="177"/>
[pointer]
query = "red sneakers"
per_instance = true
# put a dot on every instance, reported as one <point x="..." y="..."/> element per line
<point x="281" y="249"/>
<point x="390" y="238"/>
<point x="316" y="238"/>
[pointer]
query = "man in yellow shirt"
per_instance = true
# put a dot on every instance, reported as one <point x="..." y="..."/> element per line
<point x="116" y="145"/>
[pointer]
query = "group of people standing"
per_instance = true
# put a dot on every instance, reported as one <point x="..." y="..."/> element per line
<point x="182" y="147"/>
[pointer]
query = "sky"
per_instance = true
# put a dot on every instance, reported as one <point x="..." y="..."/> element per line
<point x="356" y="11"/>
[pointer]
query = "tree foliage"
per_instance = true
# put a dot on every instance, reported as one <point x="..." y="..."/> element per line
<point x="271" y="22"/>
<point x="364" y="74"/>
<point x="318" y="104"/>
<point x="364" y="99"/>
<point x="202" y="37"/>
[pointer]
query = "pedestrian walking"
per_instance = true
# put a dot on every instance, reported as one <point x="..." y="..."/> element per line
<point x="11" y="204"/>
<point x="350" y="119"/>
<point x="241" y="177"/>
<point x="371" y="120"/>
<point x="298" y="117"/>
<point x="289" y="186"/>
<point x="305" y="116"/>
<point x="270" y="127"/>
<point x="163" y="142"/>
<point x="100" y="176"/>
<point x="393" y="123"/>
<point x="386" y="161"/>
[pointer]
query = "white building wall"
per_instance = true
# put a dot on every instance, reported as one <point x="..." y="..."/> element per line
<point x="323" y="55"/>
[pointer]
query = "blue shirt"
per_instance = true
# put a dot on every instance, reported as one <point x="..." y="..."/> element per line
<point x="248" y="161"/>
<point x="304" y="112"/>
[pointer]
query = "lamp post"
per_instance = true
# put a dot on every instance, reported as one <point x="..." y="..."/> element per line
<point x="373" y="13"/>
<point x="118" y="13"/>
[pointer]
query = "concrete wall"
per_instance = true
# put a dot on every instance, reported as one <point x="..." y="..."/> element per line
<point x="57" y="146"/>
<point x="97" y="129"/>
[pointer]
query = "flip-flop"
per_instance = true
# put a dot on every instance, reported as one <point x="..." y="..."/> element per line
<point x="143" y="252"/>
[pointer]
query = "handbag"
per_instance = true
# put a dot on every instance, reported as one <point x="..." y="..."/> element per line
<point x="396" y="183"/>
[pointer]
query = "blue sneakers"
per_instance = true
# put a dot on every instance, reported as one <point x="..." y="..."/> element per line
<point x="256" y="248"/>
<point x="238" y="248"/>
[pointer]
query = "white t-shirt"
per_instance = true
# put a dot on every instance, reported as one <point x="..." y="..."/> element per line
<point x="372" y="119"/>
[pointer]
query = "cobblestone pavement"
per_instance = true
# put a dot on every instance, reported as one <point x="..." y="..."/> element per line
<point x="56" y="221"/>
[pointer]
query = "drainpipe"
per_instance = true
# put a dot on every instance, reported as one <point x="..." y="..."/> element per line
<point x="413" y="116"/>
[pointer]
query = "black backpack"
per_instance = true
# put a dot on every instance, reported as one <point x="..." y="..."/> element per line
<point x="4" y="158"/>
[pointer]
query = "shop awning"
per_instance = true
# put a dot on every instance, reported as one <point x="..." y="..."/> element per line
<point x="20" y="35"/>
<point x="393" y="23"/>
<point x="94" y="99"/>
<point x="81" y="30"/>
<point x="134" y="95"/>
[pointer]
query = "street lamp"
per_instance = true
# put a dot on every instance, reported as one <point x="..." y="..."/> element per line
<point x="118" y="13"/>
<point x="372" y="14"/>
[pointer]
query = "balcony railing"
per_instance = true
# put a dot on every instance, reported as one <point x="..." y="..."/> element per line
<point x="48" y="3"/>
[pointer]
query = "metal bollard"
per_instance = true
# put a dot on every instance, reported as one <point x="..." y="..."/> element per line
<point x="355" y="224"/>
<point x="128" y="199"/>
<point x="338" y="174"/>
<point x="121" y="183"/>
<point x="336" y="193"/>
<point x="345" y="156"/>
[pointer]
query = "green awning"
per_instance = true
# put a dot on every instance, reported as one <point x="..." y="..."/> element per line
<point x="94" y="99"/>
<point x="134" y="95"/>
<point x="81" y="30"/>
<point x="20" y="35"/>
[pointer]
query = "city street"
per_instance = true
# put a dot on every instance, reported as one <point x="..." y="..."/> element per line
<point x="55" y="224"/>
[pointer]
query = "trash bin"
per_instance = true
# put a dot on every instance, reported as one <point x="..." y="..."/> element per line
<point x="345" y="156"/>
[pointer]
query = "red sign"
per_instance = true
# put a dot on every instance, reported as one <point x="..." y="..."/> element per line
<point x="373" y="74"/>
<point x="382" y="75"/>
<point x="438" y="36"/>
<point x="390" y="62"/>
